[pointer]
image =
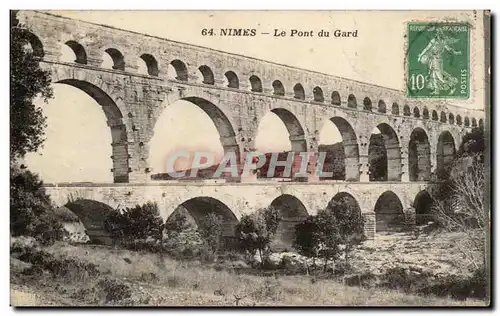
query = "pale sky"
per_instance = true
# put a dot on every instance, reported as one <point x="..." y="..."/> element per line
<point x="376" y="56"/>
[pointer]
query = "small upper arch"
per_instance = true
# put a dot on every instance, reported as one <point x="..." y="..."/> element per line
<point x="208" y="75"/>
<point x="318" y="94"/>
<point x="278" y="88"/>
<point x="298" y="92"/>
<point x="151" y="64"/>
<point x="255" y="83"/>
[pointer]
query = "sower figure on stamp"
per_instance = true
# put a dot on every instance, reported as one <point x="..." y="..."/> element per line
<point x="432" y="55"/>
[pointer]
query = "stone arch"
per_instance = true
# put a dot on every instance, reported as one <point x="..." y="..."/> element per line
<point x="318" y="94"/>
<point x="481" y="123"/>
<point x="199" y="207"/>
<point x="434" y="115"/>
<point x="367" y="104"/>
<point x="298" y="92"/>
<point x="292" y="212"/>
<point x="115" y="122"/>
<point x="350" y="146"/>
<point x="151" y="64"/>
<point x="294" y="127"/>
<point x="419" y="156"/>
<point x="382" y="107"/>
<point x="232" y="80"/>
<point x="35" y="43"/>
<point x="180" y="68"/>
<point x="406" y="110"/>
<point x="474" y="122"/>
<point x="389" y="214"/>
<point x="255" y="83"/>
<point x="443" y="117"/>
<point x="416" y="112"/>
<point x="351" y="101"/>
<point x="79" y="51"/>
<point x="445" y="154"/>
<point x="423" y="205"/>
<point x="392" y="168"/>
<point x="459" y="120"/>
<point x="466" y="121"/>
<point x="278" y="87"/>
<point x="451" y="119"/>
<point x="92" y="215"/>
<point x="395" y="109"/>
<point x="208" y="75"/>
<point x="117" y="57"/>
<point x="336" y="98"/>
<point x="425" y="113"/>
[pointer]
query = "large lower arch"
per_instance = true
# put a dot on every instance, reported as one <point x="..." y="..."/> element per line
<point x="345" y="197"/>
<point x="390" y="167"/>
<point x="292" y="213"/>
<point x="350" y="148"/>
<point x="297" y="134"/>
<point x="423" y="205"/>
<point x="445" y="154"/>
<point x="200" y="207"/>
<point x="419" y="156"/>
<point x="389" y="215"/>
<point x="93" y="215"/>
<point x="115" y="123"/>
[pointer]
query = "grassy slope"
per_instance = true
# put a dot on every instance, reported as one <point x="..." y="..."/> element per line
<point x="192" y="283"/>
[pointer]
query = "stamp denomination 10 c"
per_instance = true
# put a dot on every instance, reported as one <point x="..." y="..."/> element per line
<point x="438" y="60"/>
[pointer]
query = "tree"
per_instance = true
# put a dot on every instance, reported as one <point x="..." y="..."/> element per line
<point x="211" y="231"/>
<point x="329" y="237"/>
<point x="307" y="238"/>
<point x="256" y="231"/>
<point x="27" y="81"/>
<point x="350" y="223"/>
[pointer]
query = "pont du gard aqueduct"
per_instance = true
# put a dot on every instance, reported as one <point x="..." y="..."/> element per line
<point x="420" y="138"/>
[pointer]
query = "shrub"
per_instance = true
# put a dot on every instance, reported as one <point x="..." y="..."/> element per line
<point x="140" y="225"/>
<point x="256" y="231"/>
<point x="31" y="212"/>
<point x="114" y="290"/>
<point x="211" y="231"/>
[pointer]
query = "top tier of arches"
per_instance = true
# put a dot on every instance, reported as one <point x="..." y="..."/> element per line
<point x="156" y="57"/>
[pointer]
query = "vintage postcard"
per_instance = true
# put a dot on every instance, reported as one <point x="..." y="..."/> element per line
<point x="250" y="158"/>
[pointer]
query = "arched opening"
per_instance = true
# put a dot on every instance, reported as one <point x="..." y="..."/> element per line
<point x="459" y="120"/>
<point x="76" y="126"/>
<point x="434" y="115"/>
<point x="445" y="154"/>
<point x="367" y="104"/>
<point x="292" y="212"/>
<point x="351" y="101"/>
<point x="174" y="143"/>
<point x="389" y="215"/>
<point x="232" y="80"/>
<point x="443" y="117"/>
<point x="177" y="70"/>
<point x="288" y="136"/>
<point x="207" y="74"/>
<point x="395" y="109"/>
<point x="416" y="112"/>
<point x="32" y="44"/>
<point x="419" y="156"/>
<point x="255" y="84"/>
<point x="346" y="203"/>
<point x="481" y="123"/>
<point x="451" y="119"/>
<point x="423" y="205"/>
<point x="381" y="107"/>
<point x="384" y="154"/>
<point x="118" y="61"/>
<point x="196" y="210"/>
<point x="278" y="88"/>
<point x="93" y="215"/>
<point x="338" y="141"/>
<point x="318" y="94"/>
<point x="474" y="122"/>
<point x="466" y="121"/>
<point x="336" y="98"/>
<point x="151" y="65"/>
<point x="406" y="110"/>
<point x="79" y="56"/>
<point x="425" y="113"/>
<point x="298" y="92"/>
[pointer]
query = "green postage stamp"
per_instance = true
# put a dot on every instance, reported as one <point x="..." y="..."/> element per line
<point x="438" y="60"/>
